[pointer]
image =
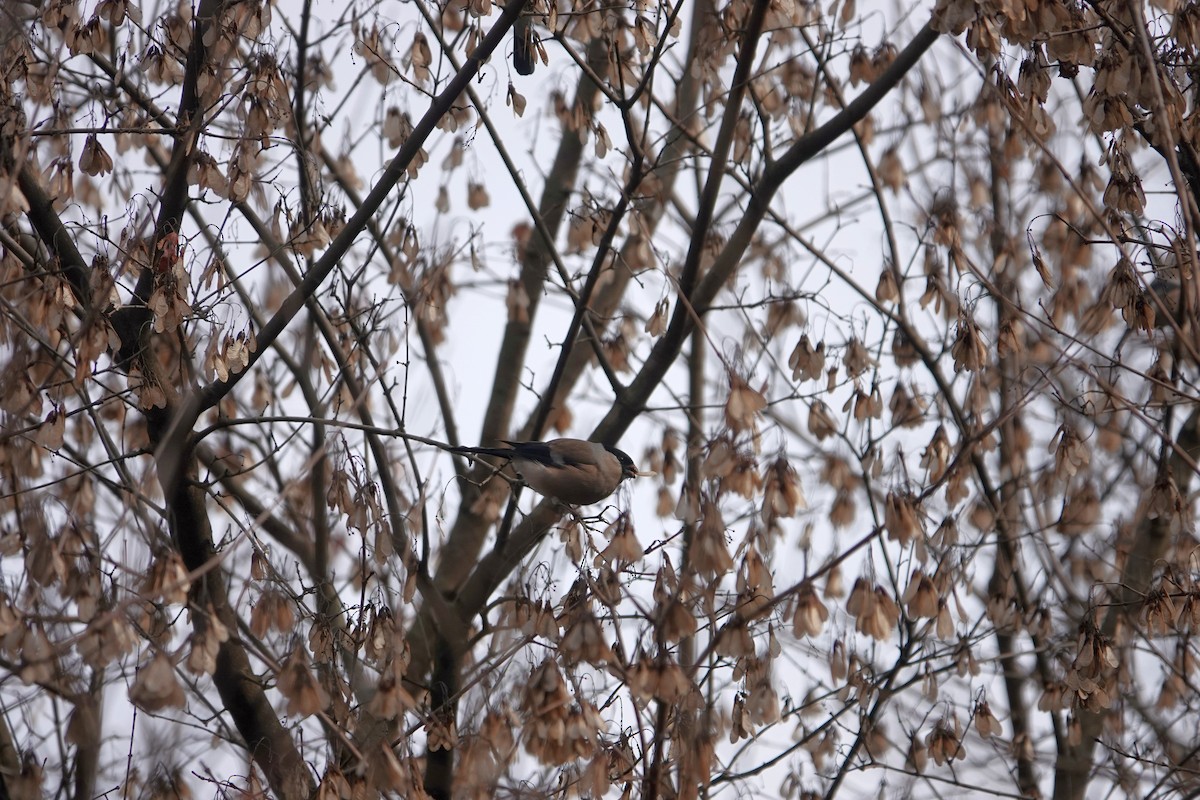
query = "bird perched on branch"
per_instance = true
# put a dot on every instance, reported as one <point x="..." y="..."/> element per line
<point x="524" y="58"/>
<point x="572" y="471"/>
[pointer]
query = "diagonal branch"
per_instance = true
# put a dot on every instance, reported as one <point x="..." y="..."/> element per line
<point x="207" y="397"/>
<point x="494" y="567"/>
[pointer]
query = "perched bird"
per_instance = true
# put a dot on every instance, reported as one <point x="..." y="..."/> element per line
<point x="523" y="56"/>
<point x="1170" y="294"/>
<point x="571" y="471"/>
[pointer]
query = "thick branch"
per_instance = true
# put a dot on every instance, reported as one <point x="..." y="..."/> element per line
<point x="1073" y="768"/>
<point x="54" y="234"/>
<point x="466" y="538"/>
<point x="495" y="566"/>
<point x="667" y="349"/>
<point x="207" y="397"/>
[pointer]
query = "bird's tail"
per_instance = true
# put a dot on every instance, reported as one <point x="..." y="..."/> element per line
<point x="499" y="452"/>
<point x="523" y="57"/>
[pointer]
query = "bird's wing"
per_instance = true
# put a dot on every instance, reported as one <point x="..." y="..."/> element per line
<point x="536" y="451"/>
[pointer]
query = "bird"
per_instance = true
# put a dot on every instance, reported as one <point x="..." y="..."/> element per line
<point x="572" y="471"/>
<point x="523" y="58"/>
<point x="1169" y="292"/>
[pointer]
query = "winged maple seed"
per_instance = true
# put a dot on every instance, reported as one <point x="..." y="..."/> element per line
<point x="245" y="309"/>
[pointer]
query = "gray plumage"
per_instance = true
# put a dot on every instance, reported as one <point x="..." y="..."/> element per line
<point x="572" y="471"/>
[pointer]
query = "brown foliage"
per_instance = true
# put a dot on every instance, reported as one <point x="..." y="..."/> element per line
<point x="260" y="272"/>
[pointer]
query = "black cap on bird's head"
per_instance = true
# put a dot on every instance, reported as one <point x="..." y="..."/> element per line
<point x="628" y="468"/>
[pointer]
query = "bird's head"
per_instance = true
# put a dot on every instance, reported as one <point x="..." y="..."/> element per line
<point x="628" y="468"/>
